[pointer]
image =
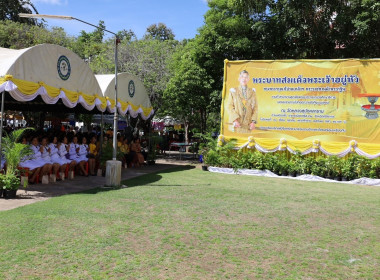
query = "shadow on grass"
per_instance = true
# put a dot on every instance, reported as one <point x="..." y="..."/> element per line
<point x="142" y="180"/>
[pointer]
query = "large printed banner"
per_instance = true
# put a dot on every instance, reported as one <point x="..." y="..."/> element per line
<point x="328" y="105"/>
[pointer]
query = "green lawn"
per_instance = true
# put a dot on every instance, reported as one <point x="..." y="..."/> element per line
<point x="188" y="224"/>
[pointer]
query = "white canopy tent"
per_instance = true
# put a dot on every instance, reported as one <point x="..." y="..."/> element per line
<point x="132" y="95"/>
<point x="46" y="75"/>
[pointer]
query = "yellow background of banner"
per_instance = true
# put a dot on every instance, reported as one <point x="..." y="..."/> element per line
<point x="344" y="107"/>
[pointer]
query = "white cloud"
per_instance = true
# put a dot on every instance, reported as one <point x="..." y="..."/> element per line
<point x="51" y="2"/>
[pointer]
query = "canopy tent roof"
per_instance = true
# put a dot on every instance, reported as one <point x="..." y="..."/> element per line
<point x="49" y="77"/>
<point x="132" y="95"/>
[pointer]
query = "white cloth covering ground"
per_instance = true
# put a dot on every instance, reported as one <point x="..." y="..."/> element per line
<point x="306" y="177"/>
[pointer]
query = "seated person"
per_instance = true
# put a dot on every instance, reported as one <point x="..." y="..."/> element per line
<point x="55" y="157"/>
<point x="45" y="155"/>
<point x="92" y="155"/>
<point x="63" y="152"/>
<point x="124" y="148"/>
<point x="34" y="162"/>
<point x="74" y="149"/>
<point x="138" y="157"/>
<point x="82" y="155"/>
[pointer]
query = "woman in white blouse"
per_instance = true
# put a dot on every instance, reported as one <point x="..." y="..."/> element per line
<point x="63" y="152"/>
<point x="45" y="154"/>
<point x="32" y="162"/>
<point x="54" y="155"/>
<point x="76" y="153"/>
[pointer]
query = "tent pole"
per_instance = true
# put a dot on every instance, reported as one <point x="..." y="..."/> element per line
<point x="1" y="122"/>
<point x="115" y="118"/>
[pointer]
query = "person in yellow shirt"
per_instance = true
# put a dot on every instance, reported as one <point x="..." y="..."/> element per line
<point x="124" y="148"/>
<point x="120" y="140"/>
<point x="93" y="154"/>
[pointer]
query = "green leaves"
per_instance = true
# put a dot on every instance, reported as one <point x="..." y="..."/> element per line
<point x="17" y="35"/>
<point x="9" y="10"/>
<point x="187" y="94"/>
<point x="159" y="32"/>
<point x="14" y="151"/>
<point x="9" y="182"/>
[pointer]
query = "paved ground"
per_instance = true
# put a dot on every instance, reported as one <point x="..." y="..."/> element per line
<point x="39" y="192"/>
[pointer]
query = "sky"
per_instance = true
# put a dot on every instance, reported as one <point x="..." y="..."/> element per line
<point x="184" y="17"/>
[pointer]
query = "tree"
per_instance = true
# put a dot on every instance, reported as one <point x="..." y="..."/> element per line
<point x="226" y="34"/>
<point x="188" y="92"/>
<point x="90" y="44"/>
<point x="159" y="32"/>
<point x="127" y="35"/>
<point x="148" y="59"/>
<point x="284" y="29"/>
<point x="9" y="10"/>
<point x="314" y="28"/>
<point x="17" y="35"/>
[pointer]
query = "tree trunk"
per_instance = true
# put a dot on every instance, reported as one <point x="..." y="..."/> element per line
<point x="186" y="132"/>
<point x="203" y="120"/>
<point x="186" y="124"/>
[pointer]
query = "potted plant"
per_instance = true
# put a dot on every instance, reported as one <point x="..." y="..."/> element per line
<point x="13" y="153"/>
<point x="154" y="141"/>
<point x="208" y="144"/>
<point x="337" y="168"/>
<point x="309" y="163"/>
<point x="211" y="158"/>
<point x="375" y="168"/>
<point x="362" y="167"/>
<point x="283" y="165"/>
<point x="347" y="170"/>
<point x="292" y="168"/>
<point x="151" y="158"/>
<point x="276" y="166"/>
<point x="11" y="183"/>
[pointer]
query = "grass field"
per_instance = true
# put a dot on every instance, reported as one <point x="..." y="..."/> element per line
<point x="189" y="224"/>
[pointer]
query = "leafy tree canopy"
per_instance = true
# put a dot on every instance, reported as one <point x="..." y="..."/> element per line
<point x="9" y="10"/>
<point x="159" y="32"/>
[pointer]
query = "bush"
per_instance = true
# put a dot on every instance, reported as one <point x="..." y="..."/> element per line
<point x="375" y="168"/>
<point x="298" y="163"/>
<point x="212" y="158"/>
<point x="348" y="169"/>
<point x="362" y="167"/>
<point x="308" y="165"/>
<point x="270" y="161"/>
<point x="334" y="167"/>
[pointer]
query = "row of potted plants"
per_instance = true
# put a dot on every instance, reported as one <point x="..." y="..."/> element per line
<point x="286" y="164"/>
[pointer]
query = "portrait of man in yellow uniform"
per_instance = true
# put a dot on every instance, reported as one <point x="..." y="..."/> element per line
<point x="242" y="106"/>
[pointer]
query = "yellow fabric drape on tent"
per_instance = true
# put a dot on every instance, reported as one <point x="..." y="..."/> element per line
<point x="29" y="88"/>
